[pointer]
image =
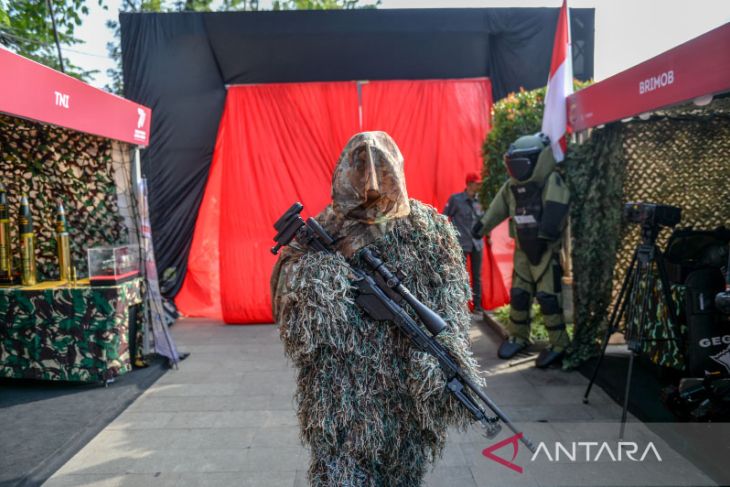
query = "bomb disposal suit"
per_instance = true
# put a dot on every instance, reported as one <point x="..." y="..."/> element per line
<point x="536" y="199"/>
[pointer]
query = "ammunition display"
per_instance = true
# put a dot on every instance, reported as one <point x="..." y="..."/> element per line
<point x="6" y="251"/>
<point x="62" y="244"/>
<point x="27" y="244"/>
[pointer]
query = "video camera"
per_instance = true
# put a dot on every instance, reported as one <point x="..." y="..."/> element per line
<point x="652" y="215"/>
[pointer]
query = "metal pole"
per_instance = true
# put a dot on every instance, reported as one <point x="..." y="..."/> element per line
<point x="136" y="169"/>
<point x="139" y="205"/>
<point x="55" y="34"/>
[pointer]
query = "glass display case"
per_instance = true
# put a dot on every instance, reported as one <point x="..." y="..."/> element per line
<point x="112" y="265"/>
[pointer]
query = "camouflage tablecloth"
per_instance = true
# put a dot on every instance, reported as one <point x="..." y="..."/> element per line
<point x="54" y="331"/>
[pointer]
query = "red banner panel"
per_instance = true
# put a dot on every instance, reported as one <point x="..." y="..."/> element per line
<point x="36" y="92"/>
<point x="695" y="68"/>
<point x="279" y="143"/>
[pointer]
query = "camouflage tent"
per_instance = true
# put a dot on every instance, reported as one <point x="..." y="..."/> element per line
<point x="55" y="330"/>
<point x="676" y="157"/>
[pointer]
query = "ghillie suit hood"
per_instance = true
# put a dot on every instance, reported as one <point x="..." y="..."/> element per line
<point x="368" y="191"/>
<point x="373" y="410"/>
<point x="368" y="184"/>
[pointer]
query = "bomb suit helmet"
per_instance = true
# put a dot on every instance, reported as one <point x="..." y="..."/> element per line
<point x="521" y="156"/>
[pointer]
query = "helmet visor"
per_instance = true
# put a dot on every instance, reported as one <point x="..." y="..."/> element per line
<point x="519" y="167"/>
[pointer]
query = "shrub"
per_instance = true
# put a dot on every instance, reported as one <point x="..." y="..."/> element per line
<point x="538" y="332"/>
<point x="513" y="116"/>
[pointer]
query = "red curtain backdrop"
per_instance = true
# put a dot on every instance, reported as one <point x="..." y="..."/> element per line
<point x="278" y="143"/>
<point x="440" y="126"/>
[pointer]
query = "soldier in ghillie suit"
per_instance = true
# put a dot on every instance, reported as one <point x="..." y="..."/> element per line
<point x="373" y="410"/>
<point x="536" y="199"/>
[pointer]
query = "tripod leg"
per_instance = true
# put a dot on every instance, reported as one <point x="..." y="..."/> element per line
<point x="635" y="334"/>
<point x="616" y="314"/>
<point x="672" y="312"/>
<point x="626" y="396"/>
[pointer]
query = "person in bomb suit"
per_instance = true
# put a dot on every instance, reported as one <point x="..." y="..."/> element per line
<point x="536" y="199"/>
<point x="373" y="410"/>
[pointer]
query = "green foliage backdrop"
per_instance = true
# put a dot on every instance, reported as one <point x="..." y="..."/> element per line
<point x="52" y="164"/>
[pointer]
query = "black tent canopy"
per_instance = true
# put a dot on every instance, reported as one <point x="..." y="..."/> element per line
<point x="179" y="64"/>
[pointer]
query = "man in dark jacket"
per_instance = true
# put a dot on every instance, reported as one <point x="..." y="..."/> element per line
<point x="464" y="211"/>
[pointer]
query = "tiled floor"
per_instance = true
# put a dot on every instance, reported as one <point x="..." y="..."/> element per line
<point x="226" y="417"/>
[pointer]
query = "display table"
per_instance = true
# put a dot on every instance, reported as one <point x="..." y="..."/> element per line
<point x="63" y="331"/>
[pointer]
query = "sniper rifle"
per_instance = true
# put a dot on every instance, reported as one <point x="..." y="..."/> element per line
<point x="380" y="294"/>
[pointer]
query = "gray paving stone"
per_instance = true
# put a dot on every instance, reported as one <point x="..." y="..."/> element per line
<point x="187" y="389"/>
<point x="589" y="474"/>
<point x="276" y="436"/>
<point x="450" y="477"/>
<point x="103" y="480"/>
<point x="213" y="403"/>
<point x="174" y="439"/>
<point x="491" y="474"/>
<point x="142" y="420"/>
<point x="551" y="413"/>
<point x="282" y="418"/>
<point x="227" y="417"/>
<point x="275" y="459"/>
<point x="452" y="456"/>
<point x="508" y="396"/>
<point x="498" y="376"/>
<point x="185" y="376"/>
<point x="300" y="480"/>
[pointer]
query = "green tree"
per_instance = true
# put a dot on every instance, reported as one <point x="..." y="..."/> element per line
<point x="26" y="29"/>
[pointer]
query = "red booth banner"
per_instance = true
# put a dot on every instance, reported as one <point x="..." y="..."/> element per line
<point x="278" y="143"/>
<point x="696" y="68"/>
<point x="36" y="92"/>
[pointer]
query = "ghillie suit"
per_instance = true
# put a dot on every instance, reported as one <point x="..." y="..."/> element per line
<point x="373" y="410"/>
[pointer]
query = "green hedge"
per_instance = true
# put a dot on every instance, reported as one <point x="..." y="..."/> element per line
<point x="517" y="114"/>
<point x="513" y="116"/>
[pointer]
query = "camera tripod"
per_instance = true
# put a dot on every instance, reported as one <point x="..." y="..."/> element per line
<point x="634" y="303"/>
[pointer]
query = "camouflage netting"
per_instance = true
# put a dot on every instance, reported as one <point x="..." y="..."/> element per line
<point x="679" y="157"/>
<point x="372" y="410"/>
<point x="51" y="164"/>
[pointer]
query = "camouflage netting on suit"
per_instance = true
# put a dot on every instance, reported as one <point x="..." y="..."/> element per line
<point x="679" y="157"/>
<point x="51" y="164"/>
<point x="373" y="410"/>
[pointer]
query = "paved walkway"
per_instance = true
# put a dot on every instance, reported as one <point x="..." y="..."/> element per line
<point x="226" y="418"/>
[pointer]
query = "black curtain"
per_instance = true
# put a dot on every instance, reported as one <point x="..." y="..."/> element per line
<point x="179" y="64"/>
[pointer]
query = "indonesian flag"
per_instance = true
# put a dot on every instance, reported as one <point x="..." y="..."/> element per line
<point x="559" y="87"/>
